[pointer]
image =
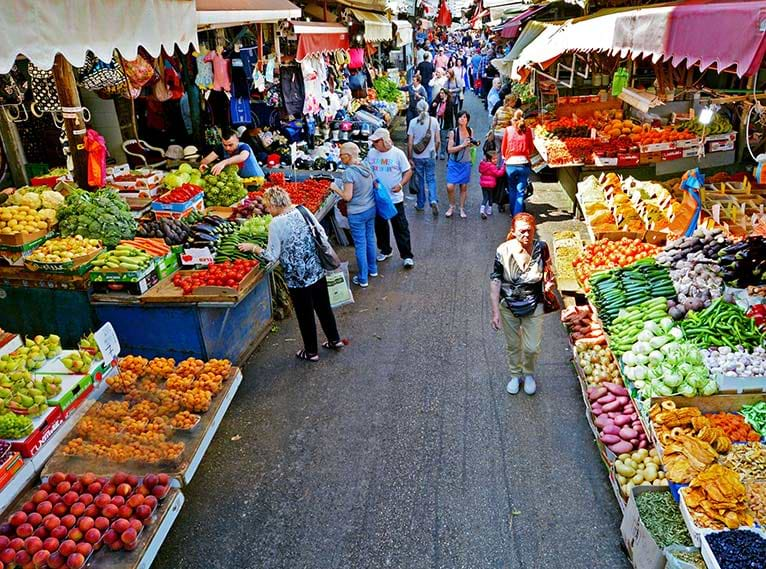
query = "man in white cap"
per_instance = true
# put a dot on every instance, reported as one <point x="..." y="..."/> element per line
<point x="392" y="169"/>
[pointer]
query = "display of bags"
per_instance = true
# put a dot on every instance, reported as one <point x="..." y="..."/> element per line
<point x="139" y="72"/>
<point x="44" y="93"/>
<point x="13" y="85"/>
<point x="97" y="75"/>
<point x="328" y="258"/>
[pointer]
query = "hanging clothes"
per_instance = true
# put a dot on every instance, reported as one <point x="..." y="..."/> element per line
<point x="249" y="58"/>
<point x="204" y="78"/>
<point x="238" y="75"/>
<point x="314" y="77"/>
<point x="293" y="93"/>
<point x="270" y="70"/>
<point x="240" y="111"/>
<point x="221" y="76"/>
<point x="95" y="146"/>
<point x="185" y="109"/>
<point x="219" y="107"/>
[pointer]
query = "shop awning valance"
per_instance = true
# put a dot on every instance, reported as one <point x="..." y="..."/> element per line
<point x="512" y="27"/>
<point x="39" y="29"/>
<point x="724" y="33"/>
<point x="531" y="31"/>
<point x="227" y="13"/>
<point x="403" y="32"/>
<point x="376" y="26"/>
<point x="319" y="37"/>
<point x="321" y="28"/>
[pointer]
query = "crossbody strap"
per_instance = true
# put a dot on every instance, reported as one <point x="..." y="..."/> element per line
<point x="309" y="221"/>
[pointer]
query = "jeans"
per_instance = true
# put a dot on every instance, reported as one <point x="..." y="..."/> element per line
<point x="401" y="233"/>
<point x="444" y="138"/>
<point x="306" y="301"/>
<point x="363" y="233"/>
<point x="486" y="194"/>
<point x="429" y="93"/>
<point x="425" y="177"/>
<point x="518" y="178"/>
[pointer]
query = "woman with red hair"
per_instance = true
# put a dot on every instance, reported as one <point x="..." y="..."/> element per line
<point x="521" y="275"/>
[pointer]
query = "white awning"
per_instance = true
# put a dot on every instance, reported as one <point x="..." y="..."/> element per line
<point x="376" y="26"/>
<point x="39" y="29"/>
<point x="318" y="28"/>
<point x="227" y="13"/>
<point x="403" y="33"/>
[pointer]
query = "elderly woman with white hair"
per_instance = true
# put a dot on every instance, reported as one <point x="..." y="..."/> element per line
<point x="423" y="144"/>
<point x="292" y="244"/>
<point x="358" y="192"/>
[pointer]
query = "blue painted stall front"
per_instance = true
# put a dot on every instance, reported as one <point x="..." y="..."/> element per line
<point x="205" y="331"/>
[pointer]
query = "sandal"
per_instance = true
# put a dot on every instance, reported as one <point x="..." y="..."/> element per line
<point x="449" y="212"/>
<point x="304" y="355"/>
<point x="336" y="346"/>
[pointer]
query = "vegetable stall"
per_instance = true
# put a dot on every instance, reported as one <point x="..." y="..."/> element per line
<point x="668" y="341"/>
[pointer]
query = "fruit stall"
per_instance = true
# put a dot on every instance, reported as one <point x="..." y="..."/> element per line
<point x="668" y="342"/>
<point x="113" y="443"/>
<point x="167" y="273"/>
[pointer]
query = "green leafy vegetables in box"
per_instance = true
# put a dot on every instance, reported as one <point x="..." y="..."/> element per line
<point x="99" y="215"/>
<point x="387" y="90"/>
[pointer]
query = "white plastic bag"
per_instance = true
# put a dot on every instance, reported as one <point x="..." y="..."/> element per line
<point x="339" y="286"/>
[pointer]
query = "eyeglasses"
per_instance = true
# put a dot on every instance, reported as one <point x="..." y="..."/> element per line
<point x="342" y="154"/>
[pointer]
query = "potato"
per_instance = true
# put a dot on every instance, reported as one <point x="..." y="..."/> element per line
<point x="637" y="479"/>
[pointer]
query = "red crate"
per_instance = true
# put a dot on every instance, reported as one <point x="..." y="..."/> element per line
<point x="30" y="445"/>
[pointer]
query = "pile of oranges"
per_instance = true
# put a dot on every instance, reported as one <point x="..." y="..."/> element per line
<point x="160" y="368"/>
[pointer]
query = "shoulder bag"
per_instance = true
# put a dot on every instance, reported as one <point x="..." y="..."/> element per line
<point x="551" y="302"/>
<point x="328" y="258"/>
<point x="420" y="146"/>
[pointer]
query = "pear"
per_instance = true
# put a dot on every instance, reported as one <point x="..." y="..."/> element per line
<point x="29" y="343"/>
<point x="54" y="339"/>
<point x="39" y="339"/>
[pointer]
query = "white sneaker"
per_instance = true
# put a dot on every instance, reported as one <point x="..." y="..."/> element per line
<point x="488" y="210"/>
<point x="373" y="274"/>
<point x="481" y="210"/>
<point x="529" y="385"/>
<point x="382" y="256"/>
<point x="513" y="386"/>
<point x="408" y="263"/>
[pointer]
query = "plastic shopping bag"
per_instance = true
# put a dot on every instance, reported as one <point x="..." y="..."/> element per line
<point x="384" y="205"/>
<point x="339" y="286"/>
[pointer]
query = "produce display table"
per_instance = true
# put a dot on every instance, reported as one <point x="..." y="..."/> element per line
<point x="196" y="442"/>
<point x="43" y="303"/>
<point x="191" y="327"/>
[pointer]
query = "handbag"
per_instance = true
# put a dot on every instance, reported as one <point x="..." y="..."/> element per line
<point x="384" y="206"/>
<point x="44" y="93"/>
<point x="420" y="146"/>
<point x="551" y="302"/>
<point x="13" y="85"/>
<point x="328" y="258"/>
<point x="97" y="75"/>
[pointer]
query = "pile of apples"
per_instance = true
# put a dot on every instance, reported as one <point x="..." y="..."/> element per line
<point x="70" y="516"/>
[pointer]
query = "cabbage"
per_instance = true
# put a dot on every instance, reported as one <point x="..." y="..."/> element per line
<point x="673" y="379"/>
<point x="49" y="215"/>
<point x="710" y="388"/>
<point x="31" y="200"/>
<point x="663" y="390"/>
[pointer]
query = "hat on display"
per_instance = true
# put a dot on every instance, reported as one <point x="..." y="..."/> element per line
<point x="273" y="160"/>
<point x="346" y="126"/>
<point x="380" y="134"/>
<point x="174" y="152"/>
<point x="191" y="152"/>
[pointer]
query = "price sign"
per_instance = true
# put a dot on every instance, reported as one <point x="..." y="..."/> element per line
<point x="107" y="342"/>
<point x="197" y="256"/>
<point x="716" y="211"/>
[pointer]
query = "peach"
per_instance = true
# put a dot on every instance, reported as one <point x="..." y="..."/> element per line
<point x="124" y="489"/>
<point x="51" y="544"/>
<point x="7" y="529"/>
<point x="150" y="481"/>
<point x="163" y="479"/>
<point x="75" y="561"/>
<point x="143" y="490"/>
<point x="28" y="507"/>
<point x="151" y="501"/>
<point x="101" y="523"/>
<point x="103" y="480"/>
<point x="25" y="530"/>
<point x="39" y="496"/>
<point x="159" y="491"/>
<point x="120" y="525"/>
<point x="7" y="555"/>
<point x="119" y="478"/>
<point x="75" y="534"/>
<point x="118" y="501"/>
<point x="22" y="557"/>
<point x="67" y="547"/>
<point x="84" y="549"/>
<point x="95" y="488"/>
<point x="116" y="546"/>
<point x="110" y="536"/>
<point x="71" y="477"/>
<point x="63" y="487"/>
<point x="102" y="500"/>
<point x="33" y="544"/>
<point x="18" y="518"/>
<point x="41" y="532"/>
<point x="136" y="525"/>
<point x="132" y="479"/>
<point x="46" y="486"/>
<point x="59" y="532"/>
<point x="44" y="508"/>
<point x="110" y="511"/>
<point x="85" y="523"/>
<point x="68" y="521"/>
<point x="77" y="487"/>
<point x="60" y="509"/>
<point x="109" y="489"/>
<point x="92" y="535"/>
<point x="56" y="561"/>
<point x="125" y="511"/>
<point x="135" y="500"/>
<point x="70" y="498"/>
<point x="77" y="509"/>
<point x="54" y="498"/>
<point x="16" y="543"/>
<point x="143" y="511"/>
<point x="130" y="546"/>
<point x="56" y="477"/>
<point x="92" y="511"/>
<point x="88" y="478"/>
<point x="40" y="558"/>
<point x="4" y="541"/>
<point x="34" y="519"/>
<point x="86" y="499"/>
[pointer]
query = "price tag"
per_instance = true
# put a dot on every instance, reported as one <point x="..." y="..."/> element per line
<point x="107" y="342"/>
<point x="197" y="256"/>
<point x="716" y="211"/>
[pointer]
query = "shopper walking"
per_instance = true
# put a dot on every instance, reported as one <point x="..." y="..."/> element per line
<point x="416" y="93"/>
<point x="426" y="71"/>
<point x="442" y="108"/>
<point x="461" y="75"/>
<point x="423" y="144"/>
<point x="455" y="89"/>
<point x="441" y="59"/>
<point x="358" y="192"/>
<point x="521" y="274"/>
<point x="292" y="244"/>
<point x="489" y="173"/>
<point x="392" y="169"/>
<point x="493" y="97"/>
<point x="439" y="80"/>
<point x="459" y="164"/>
<point x="517" y="148"/>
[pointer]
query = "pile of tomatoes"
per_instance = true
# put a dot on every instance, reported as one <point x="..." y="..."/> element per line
<point x="604" y="255"/>
<point x="310" y="193"/>
<point x="181" y="194"/>
<point x="227" y="274"/>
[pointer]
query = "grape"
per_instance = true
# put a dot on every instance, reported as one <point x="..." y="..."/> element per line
<point x="13" y="426"/>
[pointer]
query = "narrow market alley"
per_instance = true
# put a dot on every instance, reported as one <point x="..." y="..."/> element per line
<point x="404" y="450"/>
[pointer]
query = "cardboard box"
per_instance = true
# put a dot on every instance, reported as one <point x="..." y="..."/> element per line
<point x="198" y="206"/>
<point x="726" y="137"/>
<point x="674" y="154"/>
<point x="642" y="549"/>
<point x="690" y="152"/>
<point x="44" y="427"/>
<point x="688" y="143"/>
<point x="179" y="207"/>
<point x="121" y="275"/>
<point x="167" y="265"/>
<point x="22" y="239"/>
<point x="722" y="146"/>
<point x="604" y="161"/>
<point x="650" y="157"/>
<point x="628" y="159"/>
<point x="133" y="287"/>
<point x="658" y="147"/>
<point x="77" y="266"/>
<point x="73" y="386"/>
<point x="10" y="467"/>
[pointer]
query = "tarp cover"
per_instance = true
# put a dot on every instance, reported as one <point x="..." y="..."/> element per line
<point x="311" y="43"/>
<point x="225" y="13"/>
<point x="39" y="29"/>
<point x="724" y="33"/>
<point x="376" y="27"/>
<point x="403" y="33"/>
<point x="512" y="27"/>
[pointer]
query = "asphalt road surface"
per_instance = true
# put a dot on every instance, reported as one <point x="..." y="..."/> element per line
<point x="404" y="450"/>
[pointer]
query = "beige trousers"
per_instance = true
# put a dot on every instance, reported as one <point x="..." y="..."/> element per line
<point x="523" y="337"/>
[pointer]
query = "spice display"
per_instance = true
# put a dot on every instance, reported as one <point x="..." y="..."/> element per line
<point x="738" y="549"/>
<point x="735" y="427"/>
<point x="662" y="518"/>
<point x="716" y="499"/>
<point x="748" y="460"/>
<point x="755" y="415"/>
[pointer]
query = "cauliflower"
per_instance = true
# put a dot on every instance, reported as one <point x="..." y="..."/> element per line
<point x="49" y="215"/>
<point x="31" y="200"/>
<point x="52" y="200"/>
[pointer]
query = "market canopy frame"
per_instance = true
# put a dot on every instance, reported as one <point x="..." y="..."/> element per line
<point x="41" y="29"/>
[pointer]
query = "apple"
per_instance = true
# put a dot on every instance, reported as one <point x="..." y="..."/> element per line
<point x="6" y="529"/>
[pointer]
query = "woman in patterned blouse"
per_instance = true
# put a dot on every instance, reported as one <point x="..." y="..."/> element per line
<point x="291" y="243"/>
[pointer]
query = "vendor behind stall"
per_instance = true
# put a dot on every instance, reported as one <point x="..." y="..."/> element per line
<point x="232" y="151"/>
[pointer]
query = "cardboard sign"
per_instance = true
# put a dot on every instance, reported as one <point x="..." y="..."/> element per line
<point x="197" y="256"/>
<point x="107" y="342"/>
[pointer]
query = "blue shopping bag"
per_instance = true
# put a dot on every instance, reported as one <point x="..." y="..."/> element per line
<point x="384" y="206"/>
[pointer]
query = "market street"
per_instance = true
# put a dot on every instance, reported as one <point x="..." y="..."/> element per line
<point x="404" y="450"/>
